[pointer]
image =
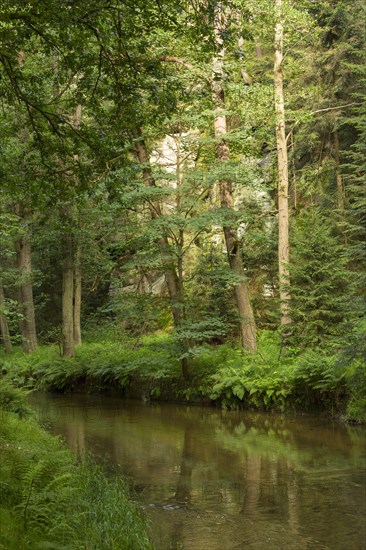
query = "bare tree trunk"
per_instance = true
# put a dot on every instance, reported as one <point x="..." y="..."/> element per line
<point x="78" y="258"/>
<point x="77" y="294"/>
<point x="71" y="281"/>
<point x="247" y="321"/>
<point x="68" y="345"/>
<point x="282" y="159"/>
<point x="4" y="328"/>
<point x="155" y="211"/>
<point x="28" y="323"/>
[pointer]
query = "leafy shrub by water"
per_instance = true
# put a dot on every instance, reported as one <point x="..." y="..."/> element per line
<point x="277" y="377"/>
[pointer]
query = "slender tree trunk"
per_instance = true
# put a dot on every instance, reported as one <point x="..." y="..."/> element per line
<point x="4" y="328"/>
<point x="77" y="294"/>
<point x="71" y="287"/>
<point x="68" y="344"/>
<point x="339" y="179"/>
<point x="28" y="323"/>
<point x="282" y="159"/>
<point x="247" y="321"/>
<point x="78" y="258"/>
<point x="155" y="211"/>
<point x="185" y="342"/>
<point x="174" y="280"/>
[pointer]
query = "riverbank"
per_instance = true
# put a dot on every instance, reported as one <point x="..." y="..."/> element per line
<point x="149" y="368"/>
<point x="48" y="500"/>
<point x="216" y="479"/>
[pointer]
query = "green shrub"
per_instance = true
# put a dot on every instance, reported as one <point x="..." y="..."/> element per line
<point x="356" y="409"/>
<point x="277" y="377"/>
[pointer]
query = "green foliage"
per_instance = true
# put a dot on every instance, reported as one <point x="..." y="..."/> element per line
<point x="142" y="75"/>
<point x="261" y="381"/>
<point x="103" y="364"/>
<point x="113" y="521"/>
<point x="139" y="313"/>
<point x="320" y="281"/>
<point x="356" y="409"/>
<point x="12" y="399"/>
<point x="356" y="381"/>
<point x="50" y="502"/>
<point x="276" y="378"/>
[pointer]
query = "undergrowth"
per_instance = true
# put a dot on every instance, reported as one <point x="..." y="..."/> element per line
<point x="276" y="378"/>
<point x="48" y="501"/>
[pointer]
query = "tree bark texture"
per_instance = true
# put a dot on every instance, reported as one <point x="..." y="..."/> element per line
<point x="68" y="345"/>
<point x="28" y="323"/>
<point x="77" y="294"/>
<point x="241" y="291"/>
<point x="4" y="328"/>
<point x="282" y="161"/>
<point x="78" y="259"/>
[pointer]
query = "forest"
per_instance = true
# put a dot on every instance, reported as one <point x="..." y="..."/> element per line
<point x="182" y="218"/>
<point x="183" y="199"/>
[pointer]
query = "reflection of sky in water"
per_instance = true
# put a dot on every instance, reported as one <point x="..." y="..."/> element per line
<point x="210" y="479"/>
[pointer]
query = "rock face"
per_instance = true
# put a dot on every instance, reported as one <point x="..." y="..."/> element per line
<point x="175" y="153"/>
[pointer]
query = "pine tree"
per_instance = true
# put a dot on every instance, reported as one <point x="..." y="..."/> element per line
<point x="321" y="281"/>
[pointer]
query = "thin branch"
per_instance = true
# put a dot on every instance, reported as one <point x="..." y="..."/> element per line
<point x="192" y="241"/>
<point x="337" y="107"/>
<point x="325" y="110"/>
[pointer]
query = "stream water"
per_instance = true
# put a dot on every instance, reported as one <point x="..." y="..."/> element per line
<point x="216" y="480"/>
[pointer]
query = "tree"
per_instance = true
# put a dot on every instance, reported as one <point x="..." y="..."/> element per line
<point x="247" y="321"/>
<point x="4" y="328"/>
<point x="321" y="281"/>
<point x="282" y="160"/>
<point x="28" y="321"/>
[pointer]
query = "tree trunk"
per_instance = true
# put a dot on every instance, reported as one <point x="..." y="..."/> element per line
<point x="71" y="287"/>
<point x="78" y="256"/>
<point x="174" y="281"/>
<point x="155" y="211"/>
<point x="68" y="345"/>
<point x="77" y="294"/>
<point x="247" y="321"/>
<point x="4" y="329"/>
<point x="28" y="323"/>
<point x="282" y="160"/>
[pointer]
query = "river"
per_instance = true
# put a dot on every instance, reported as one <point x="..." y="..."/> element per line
<point x="219" y="480"/>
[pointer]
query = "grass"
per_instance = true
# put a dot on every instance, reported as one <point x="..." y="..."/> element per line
<point x="49" y="501"/>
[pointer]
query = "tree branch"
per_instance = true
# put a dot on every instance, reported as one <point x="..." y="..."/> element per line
<point x="325" y="110"/>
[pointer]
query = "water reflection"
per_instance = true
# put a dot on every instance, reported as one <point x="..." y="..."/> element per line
<point x="225" y="480"/>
